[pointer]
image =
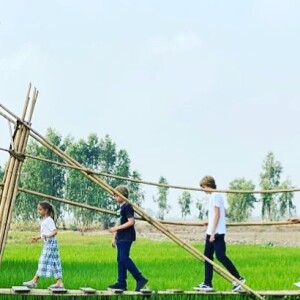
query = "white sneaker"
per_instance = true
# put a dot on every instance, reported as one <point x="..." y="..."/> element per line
<point x="236" y="287"/>
<point x="297" y="284"/>
<point x="30" y="284"/>
<point x="203" y="288"/>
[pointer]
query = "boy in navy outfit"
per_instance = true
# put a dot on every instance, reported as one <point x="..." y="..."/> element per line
<point x="123" y="237"/>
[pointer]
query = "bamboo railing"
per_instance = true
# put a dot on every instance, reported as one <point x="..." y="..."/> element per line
<point x="166" y="222"/>
<point x="272" y="191"/>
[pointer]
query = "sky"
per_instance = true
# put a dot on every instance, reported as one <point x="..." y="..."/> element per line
<point x="188" y="88"/>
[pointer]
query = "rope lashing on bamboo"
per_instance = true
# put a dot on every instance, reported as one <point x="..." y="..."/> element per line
<point x="89" y="171"/>
<point x="19" y="156"/>
<point x="193" y="251"/>
<point x="176" y="223"/>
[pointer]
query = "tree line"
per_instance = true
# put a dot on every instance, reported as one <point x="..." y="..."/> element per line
<point x="102" y="155"/>
<point x="240" y="206"/>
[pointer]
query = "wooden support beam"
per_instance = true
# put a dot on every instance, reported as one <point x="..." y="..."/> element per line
<point x="12" y="171"/>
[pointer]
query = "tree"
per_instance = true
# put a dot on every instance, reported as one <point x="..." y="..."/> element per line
<point x="1" y="174"/>
<point x="78" y="187"/>
<point x="270" y="179"/>
<point x="137" y="195"/>
<point x="185" y="201"/>
<point x="275" y="206"/>
<point x="162" y="199"/>
<point x="202" y="208"/>
<point x="42" y="177"/>
<point x="101" y="156"/>
<point x="240" y="205"/>
<point x="286" y="206"/>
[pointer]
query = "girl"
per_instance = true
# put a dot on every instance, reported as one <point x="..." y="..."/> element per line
<point x="49" y="262"/>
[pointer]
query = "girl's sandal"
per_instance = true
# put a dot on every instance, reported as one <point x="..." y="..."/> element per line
<point x="30" y="284"/>
<point x="56" y="286"/>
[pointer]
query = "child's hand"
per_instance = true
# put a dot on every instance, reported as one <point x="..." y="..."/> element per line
<point x="294" y="220"/>
<point x="113" y="229"/>
<point x="34" y="239"/>
<point x="113" y="243"/>
<point x="205" y="223"/>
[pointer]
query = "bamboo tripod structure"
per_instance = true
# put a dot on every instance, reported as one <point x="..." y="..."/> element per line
<point x="94" y="178"/>
<point x="13" y="167"/>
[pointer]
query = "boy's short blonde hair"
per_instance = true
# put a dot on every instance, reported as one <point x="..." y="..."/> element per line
<point x="209" y="182"/>
<point x="122" y="189"/>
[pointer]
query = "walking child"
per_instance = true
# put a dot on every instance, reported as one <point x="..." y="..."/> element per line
<point x="215" y="237"/>
<point x="123" y="237"/>
<point x="49" y="262"/>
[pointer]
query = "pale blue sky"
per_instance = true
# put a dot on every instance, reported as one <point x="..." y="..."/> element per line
<point x="189" y="88"/>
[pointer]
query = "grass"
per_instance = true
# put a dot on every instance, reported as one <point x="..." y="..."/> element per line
<point x="89" y="260"/>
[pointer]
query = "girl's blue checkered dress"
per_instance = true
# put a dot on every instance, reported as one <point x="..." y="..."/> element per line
<point x="49" y="263"/>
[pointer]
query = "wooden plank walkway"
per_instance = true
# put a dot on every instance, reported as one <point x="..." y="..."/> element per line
<point x="45" y="292"/>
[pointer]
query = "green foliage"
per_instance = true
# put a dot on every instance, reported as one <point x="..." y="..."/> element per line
<point x="78" y="187"/>
<point x="286" y="206"/>
<point x="42" y="177"/>
<point x="99" y="155"/>
<point x="240" y="205"/>
<point x="162" y="199"/>
<point x="270" y="179"/>
<point x="185" y="201"/>
<point x="273" y="205"/>
<point x="203" y="212"/>
<point x="1" y="174"/>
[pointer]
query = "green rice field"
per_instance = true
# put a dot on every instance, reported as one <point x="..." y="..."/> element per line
<point x="89" y="260"/>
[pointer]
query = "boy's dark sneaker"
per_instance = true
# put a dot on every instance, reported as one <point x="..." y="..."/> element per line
<point x="202" y="287"/>
<point x="140" y="284"/>
<point x="117" y="286"/>
<point x="236" y="287"/>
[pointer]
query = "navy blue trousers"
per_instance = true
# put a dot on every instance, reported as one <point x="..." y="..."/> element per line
<point x="125" y="263"/>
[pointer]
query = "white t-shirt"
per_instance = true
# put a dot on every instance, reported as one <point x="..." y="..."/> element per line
<point x="216" y="200"/>
<point x="47" y="226"/>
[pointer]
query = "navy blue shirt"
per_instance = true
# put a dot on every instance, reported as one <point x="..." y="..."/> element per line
<point x="124" y="212"/>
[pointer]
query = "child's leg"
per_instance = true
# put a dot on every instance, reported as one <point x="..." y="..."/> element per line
<point x="209" y="253"/>
<point x="57" y="269"/>
<point x="122" y="271"/>
<point x="220" y="248"/>
<point x="126" y="261"/>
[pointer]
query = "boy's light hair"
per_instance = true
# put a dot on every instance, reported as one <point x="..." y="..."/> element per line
<point x="208" y="181"/>
<point x="122" y="189"/>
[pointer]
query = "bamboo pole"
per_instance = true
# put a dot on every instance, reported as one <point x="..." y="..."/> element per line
<point x="67" y="201"/>
<point x="175" y="223"/>
<point x="273" y="191"/>
<point x="8" y="196"/>
<point x="198" y="255"/>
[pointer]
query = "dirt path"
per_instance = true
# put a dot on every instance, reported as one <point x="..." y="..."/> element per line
<point x="265" y="235"/>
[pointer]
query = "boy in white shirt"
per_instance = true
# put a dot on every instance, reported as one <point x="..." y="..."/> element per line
<point x="215" y="237"/>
